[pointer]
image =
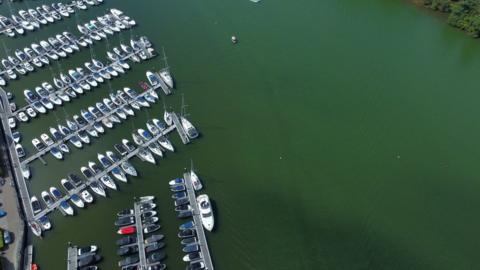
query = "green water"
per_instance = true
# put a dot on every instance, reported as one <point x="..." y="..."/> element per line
<point x="337" y="134"/>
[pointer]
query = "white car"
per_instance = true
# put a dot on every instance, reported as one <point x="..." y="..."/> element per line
<point x="12" y="123"/>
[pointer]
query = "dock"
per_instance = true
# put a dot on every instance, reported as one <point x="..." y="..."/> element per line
<point x="62" y="90"/>
<point x="72" y="258"/>
<point x="69" y="136"/>
<point x="106" y="171"/>
<point x="202" y="239"/>
<point x="5" y="113"/>
<point x="141" y="244"/>
<point x="180" y="129"/>
<point x="28" y="256"/>
<point x="164" y="86"/>
<point x="52" y="61"/>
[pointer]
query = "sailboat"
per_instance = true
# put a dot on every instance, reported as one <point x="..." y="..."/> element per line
<point x="191" y="131"/>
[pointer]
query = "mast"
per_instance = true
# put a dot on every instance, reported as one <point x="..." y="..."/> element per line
<point x="165" y="59"/>
<point x="183" y="111"/>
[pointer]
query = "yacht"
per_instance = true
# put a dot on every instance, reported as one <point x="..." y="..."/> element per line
<point x="155" y="126"/>
<point x="167" y="78"/>
<point x="56" y="153"/>
<point x="67" y="185"/>
<point x="108" y="182"/>
<point x="128" y="168"/>
<point x="72" y="125"/>
<point x="196" y="183"/>
<point x="65" y="206"/>
<point x="57" y="195"/>
<point x="86" y="196"/>
<point x="130" y="146"/>
<point x="47" y="198"/>
<point x="36" y="206"/>
<point x="156" y="149"/>
<point x="146" y="135"/>
<point x="37" y="105"/>
<point x="167" y="117"/>
<point x="63" y="130"/>
<point x="83" y="136"/>
<point x="75" y="140"/>
<point x="206" y="211"/>
<point x="146" y="155"/>
<point x="98" y="189"/>
<point x="119" y="174"/>
<point x="104" y="161"/>
<point x="166" y="144"/>
<point x="99" y="128"/>
<point x="137" y="139"/>
<point x="87" y="172"/>
<point x="77" y="201"/>
<point x="106" y="122"/>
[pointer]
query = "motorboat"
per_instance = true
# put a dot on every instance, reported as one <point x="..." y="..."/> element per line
<point x="127" y="250"/>
<point x="37" y="105"/>
<point x="146" y="155"/>
<point x="120" y="113"/>
<point x="98" y="127"/>
<point x="145" y="134"/>
<point x="46" y="139"/>
<point x="75" y="179"/>
<point x="178" y="195"/>
<point x="41" y="92"/>
<point x="151" y="228"/>
<point x="147" y="206"/>
<point x="177" y="188"/>
<point x="77" y="201"/>
<point x="147" y="199"/>
<point x="38" y="144"/>
<point x="94" y="167"/>
<point x="71" y="93"/>
<point x="56" y="152"/>
<point x="156" y="149"/>
<point x="16" y="136"/>
<point x="148" y="97"/>
<point x="67" y="185"/>
<point x="31" y="96"/>
<point x="64" y="97"/>
<point x="166" y="144"/>
<point x="206" y="211"/>
<point x="36" y="206"/>
<point x="87" y="249"/>
<point x="149" y="214"/>
<point x="125" y="213"/>
<point x="75" y="140"/>
<point x="47" y="198"/>
<point x="22" y="116"/>
<point x="128" y="168"/>
<point x="46" y="103"/>
<point x="120" y="149"/>
<point x="126" y="240"/>
<point x="142" y="101"/>
<point x="31" y="112"/>
<point x="104" y="161"/>
<point x="106" y="122"/>
<point x="55" y="99"/>
<point x="63" y="130"/>
<point x="181" y="201"/>
<point x="196" y="183"/>
<point x="45" y="223"/>
<point x="72" y="125"/>
<point x="191" y="248"/>
<point x="36" y="228"/>
<point x="124" y="221"/>
<point x="88" y="116"/>
<point x="127" y="230"/>
<point x="138" y="139"/>
<point x="87" y="172"/>
<point x="176" y="181"/>
<point x="25" y="171"/>
<point x="95" y="111"/>
<point x="58" y="83"/>
<point x="97" y="188"/>
<point x="128" y="110"/>
<point x="65" y="206"/>
<point x="64" y="148"/>
<point x="187" y="233"/>
<point x="108" y="182"/>
<point x="86" y="196"/>
<point x="156" y="257"/>
<point x="55" y="133"/>
<point x="57" y="195"/>
<point x="130" y="146"/>
<point x="152" y="127"/>
<point x="167" y="117"/>
<point x="12" y="123"/>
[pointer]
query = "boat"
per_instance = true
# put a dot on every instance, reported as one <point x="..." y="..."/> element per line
<point x="154" y="238"/>
<point x="142" y="101"/>
<point x="108" y="182"/>
<point x="196" y="183"/>
<point x="128" y="110"/>
<point x="125" y="213"/>
<point x="56" y="193"/>
<point x="64" y="148"/>
<point x="75" y="140"/>
<point x="166" y="144"/>
<point x="127" y="240"/>
<point x="97" y="188"/>
<point x="120" y="113"/>
<point x="63" y="130"/>
<point x="206" y="211"/>
<point x="38" y="144"/>
<point x="128" y="145"/>
<point x="120" y="149"/>
<point x="65" y="206"/>
<point x="106" y="122"/>
<point x="127" y="230"/>
<point x="104" y="161"/>
<point x="191" y="248"/>
<point x="77" y="201"/>
<point x="75" y="179"/>
<point x="155" y="148"/>
<point x="46" y="103"/>
<point x="124" y="221"/>
<point x="88" y="260"/>
<point x="154" y="247"/>
<point x="138" y="139"/>
<point x="47" y="198"/>
<point x="87" y="249"/>
<point x="179" y="195"/>
<point x="191" y="131"/>
<point x="156" y="257"/>
<point x="36" y="206"/>
<point x="55" y="99"/>
<point x="147" y="206"/>
<point x="72" y="125"/>
<point x="128" y="250"/>
<point x="67" y="185"/>
<point x="22" y="116"/>
<point x="151" y="228"/>
<point x="91" y="131"/>
<point x="181" y="201"/>
<point x="166" y="77"/>
<point x="64" y="97"/>
<point x="149" y="214"/>
<point x="152" y="78"/>
<point x="187" y="233"/>
<point x="20" y="150"/>
<point x="30" y="96"/>
<point x="146" y="155"/>
<point x="79" y="120"/>
<point x="16" y="136"/>
<point x="178" y="187"/>
<point x="94" y="167"/>
<point x="31" y="112"/>
<point x="98" y="127"/>
<point x="128" y="168"/>
<point x="56" y="152"/>
<point x="55" y="134"/>
<point x="87" y="172"/>
<point x="45" y="223"/>
<point x="147" y="199"/>
<point x="176" y="181"/>
<point x="167" y="117"/>
<point x="36" y="228"/>
<point x="146" y="135"/>
<point x="119" y="174"/>
<point x="129" y="261"/>
<point x="25" y="171"/>
<point x="86" y="196"/>
<point x="185" y="207"/>
<point x="152" y="127"/>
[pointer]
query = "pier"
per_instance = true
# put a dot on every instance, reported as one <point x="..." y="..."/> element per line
<point x="141" y="244"/>
<point x="69" y="136"/>
<point x="106" y="171"/>
<point x="62" y="90"/>
<point x="202" y="239"/>
<point x="28" y="257"/>
<point x="180" y="129"/>
<point x="72" y="258"/>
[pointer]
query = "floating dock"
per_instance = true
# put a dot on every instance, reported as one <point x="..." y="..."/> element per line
<point x="69" y="136"/>
<point x="141" y="244"/>
<point x="72" y="258"/>
<point x="62" y="90"/>
<point x="202" y="239"/>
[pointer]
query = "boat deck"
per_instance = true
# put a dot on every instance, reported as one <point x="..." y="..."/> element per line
<point x="66" y="138"/>
<point x="72" y="258"/>
<point x="202" y="239"/>
<point x="62" y="90"/>
<point x="180" y="129"/>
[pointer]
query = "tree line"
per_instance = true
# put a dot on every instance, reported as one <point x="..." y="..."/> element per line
<point x="463" y="14"/>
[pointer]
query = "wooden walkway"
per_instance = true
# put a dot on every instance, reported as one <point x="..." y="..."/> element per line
<point x="202" y="239"/>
